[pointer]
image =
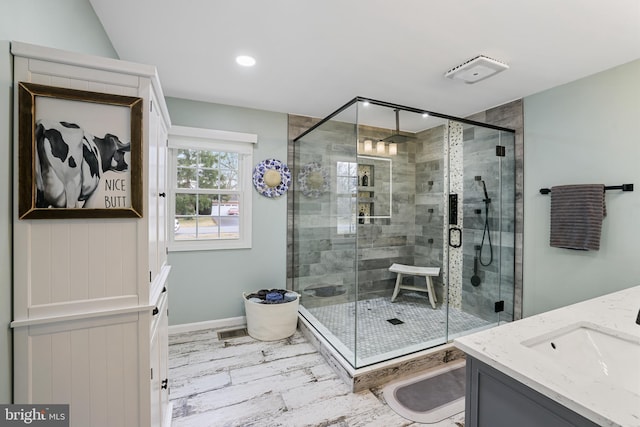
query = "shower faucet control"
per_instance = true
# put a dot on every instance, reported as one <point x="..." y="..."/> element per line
<point x="453" y="209"/>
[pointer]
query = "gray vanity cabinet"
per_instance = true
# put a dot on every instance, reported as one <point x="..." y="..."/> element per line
<point x="494" y="399"/>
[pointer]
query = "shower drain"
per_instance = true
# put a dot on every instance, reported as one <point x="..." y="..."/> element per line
<point x="395" y="321"/>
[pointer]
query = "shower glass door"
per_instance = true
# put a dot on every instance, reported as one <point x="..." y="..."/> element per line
<point x="481" y="255"/>
<point x="400" y="220"/>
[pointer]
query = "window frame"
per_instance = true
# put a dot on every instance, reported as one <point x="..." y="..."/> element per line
<point x="181" y="137"/>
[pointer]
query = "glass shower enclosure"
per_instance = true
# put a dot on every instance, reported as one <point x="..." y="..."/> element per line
<point x="377" y="184"/>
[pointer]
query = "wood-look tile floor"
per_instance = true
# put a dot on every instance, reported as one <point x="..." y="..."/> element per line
<point x="246" y="382"/>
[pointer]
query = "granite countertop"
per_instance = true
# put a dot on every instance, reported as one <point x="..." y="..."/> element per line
<point x="606" y="404"/>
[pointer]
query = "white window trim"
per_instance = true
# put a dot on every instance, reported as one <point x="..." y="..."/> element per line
<point x="210" y="139"/>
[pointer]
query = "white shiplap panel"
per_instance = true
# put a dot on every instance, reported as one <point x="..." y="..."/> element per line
<point x="113" y="241"/>
<point x="61" y="363"/>
<point x="21" y="365"/>
<point x="116" y="90"/>
<point x="43" y="79"/>
<point x="131" y="392"/>
<point x="21" y="229"/>
<point x="41" y="369"/>
<point x="98" y="261"/>
<point x="39" y="262"/>
<point x="60" y="262"/>
<point x="98" y="376"/>
<point x="121" y="257"/>
<point x="101" y="87"/>
<point x="131" y="262"/>
<point x="78" y="84"/>
<point x="79" y="267"/>
<point x="80" y="395"/>
<point x="144" y="376"/>
<point x="116" y="381"/>
<point x="130" y="91"/>
<point x="60" y="82"/>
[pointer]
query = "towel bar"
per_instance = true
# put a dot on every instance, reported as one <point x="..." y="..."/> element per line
<point x="623" y="187"/>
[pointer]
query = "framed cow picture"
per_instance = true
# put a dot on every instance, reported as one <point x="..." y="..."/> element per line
<point x="79" y="154"/>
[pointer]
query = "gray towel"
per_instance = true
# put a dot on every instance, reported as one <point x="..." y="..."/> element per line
<point x="577" y="212"/>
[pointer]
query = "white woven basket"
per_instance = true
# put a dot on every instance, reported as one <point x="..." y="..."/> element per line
<point x="271" y="322"/>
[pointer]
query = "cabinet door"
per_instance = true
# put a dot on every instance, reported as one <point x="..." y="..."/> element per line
<point x="159" y="365"/>
<point x="157" y="216"/>
<point x="163" y="186"/>
<point x="156" y="382"/>
<point x="154" y="191"/>
<point x="163" y="341"/>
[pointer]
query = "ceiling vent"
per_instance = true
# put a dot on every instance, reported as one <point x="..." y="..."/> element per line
<point x="476" y="69"/>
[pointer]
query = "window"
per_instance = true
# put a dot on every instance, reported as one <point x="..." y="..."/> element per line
<point x="346" y="191"/>
<point x="210" y="178"/>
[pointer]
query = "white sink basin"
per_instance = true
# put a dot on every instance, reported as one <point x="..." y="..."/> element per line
<point x="595" y="352"/>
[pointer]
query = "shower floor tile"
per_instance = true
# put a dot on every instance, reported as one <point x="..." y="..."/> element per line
<point x="377" y="336"/>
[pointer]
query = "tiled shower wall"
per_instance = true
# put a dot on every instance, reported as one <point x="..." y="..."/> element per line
<point x="387" y="241"/>
<point x="430" y="207"/>
<point x="325" y="257"/>
<point x="384" y="242"/>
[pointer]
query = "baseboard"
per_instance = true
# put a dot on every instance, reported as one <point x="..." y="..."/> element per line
<point x="208" y="324"/>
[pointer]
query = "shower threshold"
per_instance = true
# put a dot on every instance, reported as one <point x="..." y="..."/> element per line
<point x="379" y="370"/>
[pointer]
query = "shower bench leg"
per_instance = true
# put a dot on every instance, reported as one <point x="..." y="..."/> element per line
<point x="426" y="272"/>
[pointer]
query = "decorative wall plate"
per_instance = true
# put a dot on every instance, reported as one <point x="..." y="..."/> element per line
<point x="271" y="178"/>
<point x="313" y="180"/>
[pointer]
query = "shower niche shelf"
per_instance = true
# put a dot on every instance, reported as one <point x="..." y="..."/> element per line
<point x="365" y="212"/>
<point x="374" y="198"/>
<point x="366" y="176"/>
<point x="366" y="193"/>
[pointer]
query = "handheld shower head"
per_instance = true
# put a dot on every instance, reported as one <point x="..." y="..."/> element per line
<point x="486" y="195"/>
<point x="484" y="187"/>
<point x="486" y="232"/>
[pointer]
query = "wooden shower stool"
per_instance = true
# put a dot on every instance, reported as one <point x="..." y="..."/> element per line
<point x="427" y="272"/>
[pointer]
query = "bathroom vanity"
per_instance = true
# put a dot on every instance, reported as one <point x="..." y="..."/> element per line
<point x="577" y="365"/>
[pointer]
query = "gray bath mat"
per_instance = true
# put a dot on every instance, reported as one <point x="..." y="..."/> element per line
<point x="430" y="397"/>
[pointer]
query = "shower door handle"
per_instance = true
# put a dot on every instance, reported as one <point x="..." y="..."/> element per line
<point x="455" y="241"/>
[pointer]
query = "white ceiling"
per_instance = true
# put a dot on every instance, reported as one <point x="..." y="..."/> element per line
<point x="314" y="56"/>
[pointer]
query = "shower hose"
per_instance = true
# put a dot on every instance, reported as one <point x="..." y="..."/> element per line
<point x="486" y="232"/>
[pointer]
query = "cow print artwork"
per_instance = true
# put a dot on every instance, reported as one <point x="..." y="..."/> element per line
<point x="70" y="164"/>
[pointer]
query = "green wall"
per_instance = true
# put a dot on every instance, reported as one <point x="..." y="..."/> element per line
<point x="63" y="24"/>
<point x="582" y="132"/>
<point x="208" y="285"/>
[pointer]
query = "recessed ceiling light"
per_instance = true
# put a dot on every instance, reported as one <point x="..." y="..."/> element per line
<point x="246" y="61"/>
<point x="425" y="114"/>
<point x="365" y="103"/>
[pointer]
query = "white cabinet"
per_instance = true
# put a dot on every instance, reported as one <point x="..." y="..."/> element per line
<point x="90" y="295"/>
<point x="159" y="367"/>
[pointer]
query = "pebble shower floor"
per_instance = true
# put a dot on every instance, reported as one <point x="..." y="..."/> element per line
<point x="378" y="336"/>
